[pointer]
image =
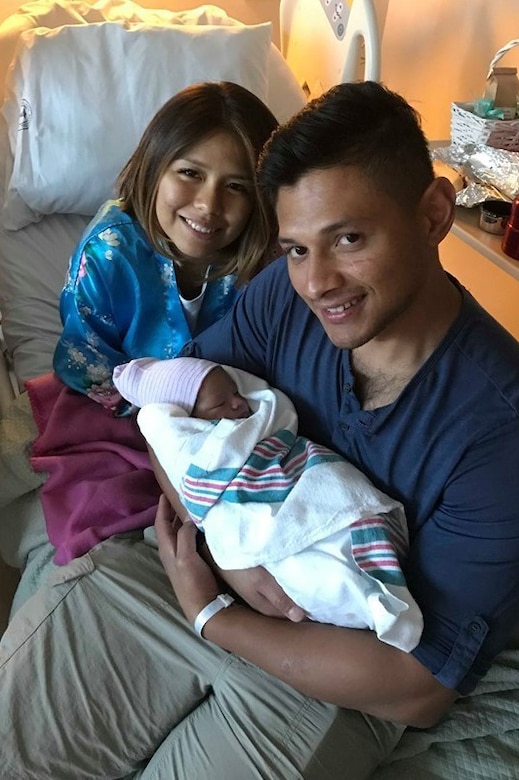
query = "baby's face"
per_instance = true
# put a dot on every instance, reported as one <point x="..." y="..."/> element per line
<point x="218" y="398"/>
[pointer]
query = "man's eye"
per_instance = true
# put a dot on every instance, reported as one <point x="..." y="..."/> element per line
<point x="296" y="252"/>
<point x="349" y="238"/>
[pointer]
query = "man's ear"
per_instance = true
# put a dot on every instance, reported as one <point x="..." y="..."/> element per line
<point x="438" y="209"/>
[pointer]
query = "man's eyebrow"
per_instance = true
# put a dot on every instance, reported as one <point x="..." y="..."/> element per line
<point x="342" y="224"/>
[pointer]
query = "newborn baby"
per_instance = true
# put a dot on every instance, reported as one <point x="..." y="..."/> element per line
<point x="265" y="496"/>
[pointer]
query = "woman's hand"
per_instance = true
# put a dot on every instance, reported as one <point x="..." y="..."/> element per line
<point x="194" y="583"/>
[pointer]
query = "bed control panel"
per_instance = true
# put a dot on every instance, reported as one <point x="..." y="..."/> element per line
<point x="337" y="12"/>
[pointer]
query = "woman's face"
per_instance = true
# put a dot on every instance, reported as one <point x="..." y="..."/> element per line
<point x="205" y="198"/>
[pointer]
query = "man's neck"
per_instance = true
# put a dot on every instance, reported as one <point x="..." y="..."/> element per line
<point x="385" y="365"/>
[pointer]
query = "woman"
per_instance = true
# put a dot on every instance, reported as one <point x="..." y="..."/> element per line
<point x="166" y="259"/>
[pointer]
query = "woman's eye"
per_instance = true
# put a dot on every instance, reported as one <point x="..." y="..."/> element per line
<point x="238" y="186"/>
<point x="349" y="238"/>
<point x="189" y="172"/>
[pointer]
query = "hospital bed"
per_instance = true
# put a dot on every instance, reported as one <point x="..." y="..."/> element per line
<point x="315" y="44"/>
<point x="33" y="254"/>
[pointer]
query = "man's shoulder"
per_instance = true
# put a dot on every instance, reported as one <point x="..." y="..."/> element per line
<point x="270" y="291"/>
<point x="489" y="349"/>
<point x="274" y="274"/>
<point x="480" y="362"/>
<point x="271" y="299"/>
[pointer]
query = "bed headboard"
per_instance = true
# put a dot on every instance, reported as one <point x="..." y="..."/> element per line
<point x="326" y="42"/>
<point x="34" y="252"/>
<point x="322" y="40"/>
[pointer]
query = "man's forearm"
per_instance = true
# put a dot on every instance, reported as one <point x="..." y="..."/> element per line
<point x="347" y="667"/>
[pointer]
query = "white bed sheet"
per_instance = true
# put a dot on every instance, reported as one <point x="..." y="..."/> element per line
<point x="33" y="264"/>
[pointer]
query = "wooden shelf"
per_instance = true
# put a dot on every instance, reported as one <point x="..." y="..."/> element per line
<point x="466" y="227"/>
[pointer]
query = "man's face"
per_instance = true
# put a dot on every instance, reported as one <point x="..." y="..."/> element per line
<point x="358" y="259"/>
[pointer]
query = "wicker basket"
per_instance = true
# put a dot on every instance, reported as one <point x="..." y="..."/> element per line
<point x="467" y="127"/>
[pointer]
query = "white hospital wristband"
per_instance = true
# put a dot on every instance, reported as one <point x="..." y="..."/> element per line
<point x="222" y="601"/>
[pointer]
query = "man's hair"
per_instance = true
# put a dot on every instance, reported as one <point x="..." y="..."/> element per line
<point x="362" y="124"/>
<point x="191" y="116"/>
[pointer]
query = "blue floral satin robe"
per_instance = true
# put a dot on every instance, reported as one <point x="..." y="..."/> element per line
<point x="121" y="301"/>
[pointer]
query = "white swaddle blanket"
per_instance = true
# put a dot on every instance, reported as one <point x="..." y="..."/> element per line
<point x="265" y="496"/>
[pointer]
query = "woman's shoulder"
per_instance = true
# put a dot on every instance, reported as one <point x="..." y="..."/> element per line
<point x="111" y="230"/>
<point x="110" y="219"/>
<point x="112" y="242"/>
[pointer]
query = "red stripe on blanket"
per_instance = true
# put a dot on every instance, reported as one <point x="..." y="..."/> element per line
<point x="100" y="481"/>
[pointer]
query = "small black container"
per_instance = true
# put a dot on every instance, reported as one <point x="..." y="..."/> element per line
<point x="494" y="216"/>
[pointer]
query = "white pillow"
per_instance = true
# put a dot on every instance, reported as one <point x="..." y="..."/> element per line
<point x="284" y="95"/>
<point x="80" y="96"/>
<point x="56" y="13"/>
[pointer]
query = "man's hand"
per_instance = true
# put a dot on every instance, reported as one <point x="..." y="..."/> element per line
<point x="260" y="591"/>
<point x="196" y="585"/>
<point x="375" y="677"/>
<point x="255" y="586"/>
<point x="191" y="577"/>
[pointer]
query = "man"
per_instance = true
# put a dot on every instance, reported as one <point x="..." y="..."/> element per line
<point x="391" y="363"/>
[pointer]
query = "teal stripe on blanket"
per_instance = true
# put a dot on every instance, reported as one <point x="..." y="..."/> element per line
<point x="268" y="476"/>
<point x="373" y="550"/>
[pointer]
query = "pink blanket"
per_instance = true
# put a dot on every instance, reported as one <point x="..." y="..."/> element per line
<point x="100" y="480"/>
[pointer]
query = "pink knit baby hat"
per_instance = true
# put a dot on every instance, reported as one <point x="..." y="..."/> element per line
<point x="150" y="380"/>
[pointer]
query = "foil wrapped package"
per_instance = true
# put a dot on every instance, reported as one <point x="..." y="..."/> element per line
<point x="488" y="172"/>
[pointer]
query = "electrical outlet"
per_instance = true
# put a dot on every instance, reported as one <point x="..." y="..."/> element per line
<point x="337" y="12"/>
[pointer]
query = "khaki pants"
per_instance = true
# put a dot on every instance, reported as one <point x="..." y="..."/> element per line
<point x="102" y="677"/>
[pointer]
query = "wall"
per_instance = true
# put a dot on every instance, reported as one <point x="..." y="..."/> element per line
<point x="497" y="291"/>
<point x="435" y="52"/>
<point x="9" y="7"/>
<point x="438" y="51"/>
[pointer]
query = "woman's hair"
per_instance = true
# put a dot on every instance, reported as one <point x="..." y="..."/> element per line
<point x="364" y="125"/>
<point x="187" y="119"/>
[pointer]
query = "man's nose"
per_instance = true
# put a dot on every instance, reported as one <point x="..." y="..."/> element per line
<point x="321" y="274"/>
